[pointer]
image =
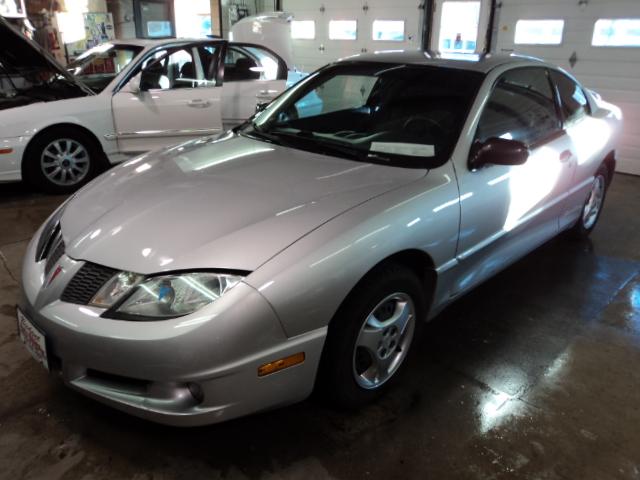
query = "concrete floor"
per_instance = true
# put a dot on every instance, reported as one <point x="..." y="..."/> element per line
<point x="534" y="375"/>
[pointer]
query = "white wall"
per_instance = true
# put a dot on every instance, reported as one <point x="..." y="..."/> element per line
<point x="311" y="54"/>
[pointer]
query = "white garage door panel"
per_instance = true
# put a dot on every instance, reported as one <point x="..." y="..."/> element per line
<point x="312" y="54"/>
<point x="613" y="72"/>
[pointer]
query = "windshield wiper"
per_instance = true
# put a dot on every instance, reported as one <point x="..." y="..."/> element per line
<point x="255" y="133"/>
<point x="323" y="145"/>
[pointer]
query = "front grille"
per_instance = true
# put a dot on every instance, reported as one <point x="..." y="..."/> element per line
<point x="86" y="282"/>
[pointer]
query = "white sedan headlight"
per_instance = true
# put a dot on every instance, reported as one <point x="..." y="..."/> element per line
<point x="129" y="296"/>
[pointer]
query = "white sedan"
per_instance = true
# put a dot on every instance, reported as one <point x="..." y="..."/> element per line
<point x="58" y="128"/>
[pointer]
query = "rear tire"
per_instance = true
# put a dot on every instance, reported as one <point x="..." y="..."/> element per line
<point x="593" y="205"/>
<point x="61" y="160"/>
<point x="370" y="336"/>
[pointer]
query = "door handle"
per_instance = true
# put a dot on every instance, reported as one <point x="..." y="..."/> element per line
<point x="566" y="156"/>
<point x="199" y="103"/>
<point x="268" y="92"/>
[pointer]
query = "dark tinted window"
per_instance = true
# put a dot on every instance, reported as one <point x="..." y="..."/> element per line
<point x="574" y="102"/>
<point x="521" y="107"/>
<point x="386" y="113"/>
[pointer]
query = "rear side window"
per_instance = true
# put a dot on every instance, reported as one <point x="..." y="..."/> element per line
<point x="575" y="105"/>
<point x="250" y="63"/>
<point x="521" y="107"/>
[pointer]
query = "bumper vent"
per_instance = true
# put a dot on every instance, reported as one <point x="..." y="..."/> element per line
<point x="86" y="283"/>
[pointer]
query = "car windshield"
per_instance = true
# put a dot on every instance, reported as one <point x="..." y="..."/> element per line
<point x="403" y="115"/>
<point x="98" y="66"/>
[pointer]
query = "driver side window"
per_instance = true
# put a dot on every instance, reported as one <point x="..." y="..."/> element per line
<point x="171" y="69"/>
<point x="521" y="107"/>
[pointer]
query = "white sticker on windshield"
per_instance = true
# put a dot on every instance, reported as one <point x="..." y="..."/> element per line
<point x="410" y="149"/>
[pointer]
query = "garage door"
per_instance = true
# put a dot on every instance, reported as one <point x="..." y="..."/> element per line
<point x="607" y="62"/>
<point x="324" y="32"/>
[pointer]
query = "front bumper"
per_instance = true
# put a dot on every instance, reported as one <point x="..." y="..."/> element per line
<point x="150" y="369"/>
<point x="11" y="162"/>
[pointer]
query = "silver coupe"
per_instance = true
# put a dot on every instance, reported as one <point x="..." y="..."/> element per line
<point x="302" y="250"/>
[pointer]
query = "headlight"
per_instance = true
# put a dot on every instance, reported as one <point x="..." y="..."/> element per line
<point x="115" y="289"/>
<point x="166" y="296"/>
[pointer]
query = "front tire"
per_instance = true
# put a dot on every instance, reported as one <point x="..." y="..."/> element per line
<point x="370" y="336"/>
<point x="593" y="205"/>
<point x="61" y="160"/>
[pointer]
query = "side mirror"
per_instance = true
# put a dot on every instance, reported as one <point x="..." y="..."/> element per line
<point x="134" y="84"/>
<point x="498" y="151"/>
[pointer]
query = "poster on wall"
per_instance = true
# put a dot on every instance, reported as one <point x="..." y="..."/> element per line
<point x="13" y="9"/>
<point x="98" y="29"/>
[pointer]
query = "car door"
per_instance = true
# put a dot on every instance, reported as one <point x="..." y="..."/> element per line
<point x="177" y="99"/>
<point x="589" y="137"/>
<point x="506" y="211"/>
<point x="251" y="75"/>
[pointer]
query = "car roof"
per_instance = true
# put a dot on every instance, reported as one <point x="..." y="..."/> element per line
<point x="483" y="63"/>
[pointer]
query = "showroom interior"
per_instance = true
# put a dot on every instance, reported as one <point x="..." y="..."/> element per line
<point x="320" y="239"/>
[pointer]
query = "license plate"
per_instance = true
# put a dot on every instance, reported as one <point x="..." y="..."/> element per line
<point x="33" y="339"/>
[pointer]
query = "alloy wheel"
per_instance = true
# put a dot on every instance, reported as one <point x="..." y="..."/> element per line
<point x="594" y="202"/>
<point x="65" y="162"/>
<point x="384" y="340"/>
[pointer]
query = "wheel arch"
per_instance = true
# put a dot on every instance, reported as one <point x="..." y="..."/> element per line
<point x="68" y="125"/>
<point x="419" y="262"/>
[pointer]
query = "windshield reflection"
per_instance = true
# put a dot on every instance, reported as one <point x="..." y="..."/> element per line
<point x="408" y="116"/>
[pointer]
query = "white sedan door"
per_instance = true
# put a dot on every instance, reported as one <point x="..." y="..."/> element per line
<point x="252" y="75"/>
<point x="178" y="100"/>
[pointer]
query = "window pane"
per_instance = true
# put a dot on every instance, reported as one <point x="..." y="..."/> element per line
<point x="156" y="19"/>
<point x="521" y="107"/>
<point x="459" y="27"/>
<point x="239" y="66"/>
<point x="539" y="32"/>
<point x="574" y="102"/>
<point x="342" y="92"/>
<point x="250" y="63"/>
<point x="98" y="66"/>
<point x="168" y="70"/>
<point x="622" y="32"/>
<point x="267" y="63"/>
<point x="208" y="55"/>
<point x="390" y="30"/>
<point x="158" y="28"/>
<point x="343" y="29"/>
<point x="303" y="29"/>
<point x="399" y="110"/>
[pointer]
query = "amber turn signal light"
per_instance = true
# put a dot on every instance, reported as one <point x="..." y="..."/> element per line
<point x="281" y="364"/>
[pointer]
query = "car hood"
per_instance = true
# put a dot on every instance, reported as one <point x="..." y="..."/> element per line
<point x="25" y="55"/>
<point x="228" y="202"/>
